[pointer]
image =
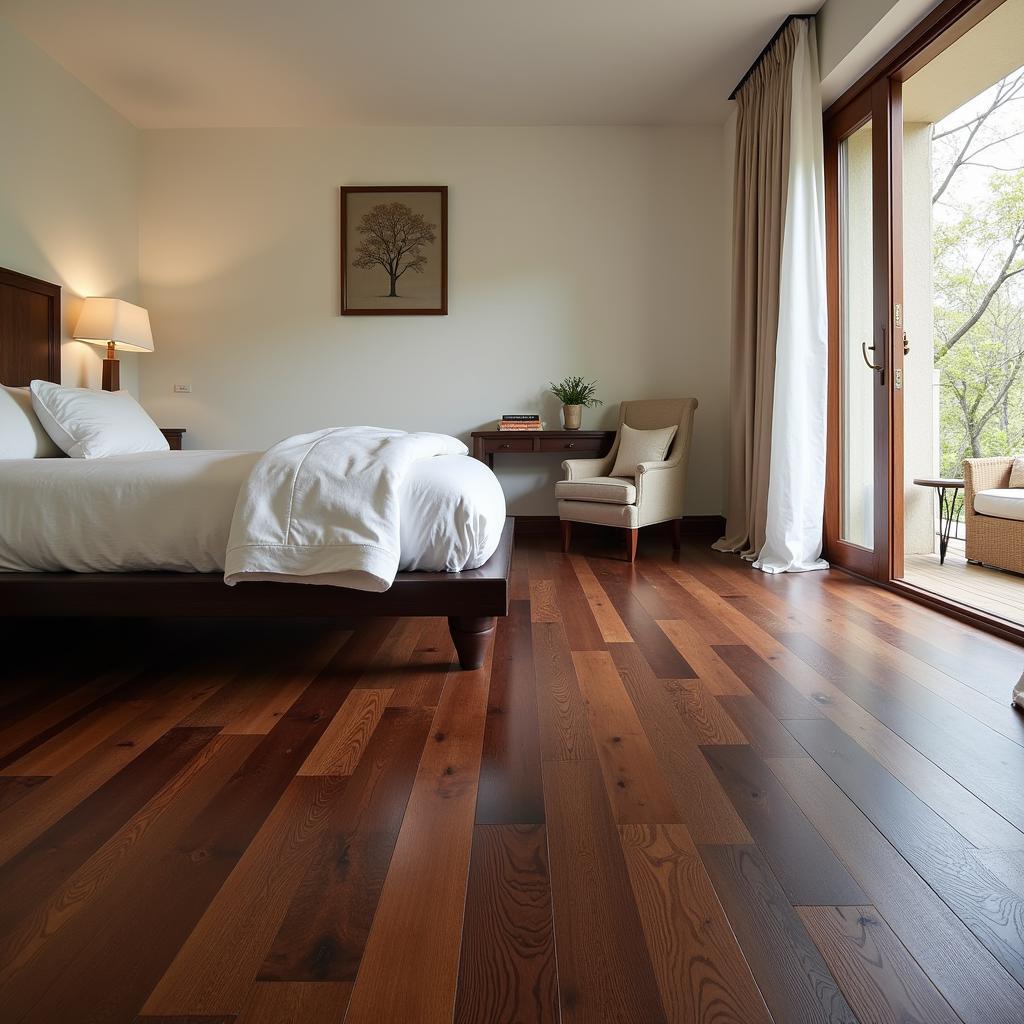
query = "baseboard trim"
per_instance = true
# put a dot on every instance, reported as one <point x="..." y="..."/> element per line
<point x="532" y="525"/>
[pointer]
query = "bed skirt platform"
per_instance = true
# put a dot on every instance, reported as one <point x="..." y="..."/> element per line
<point x="471" y="600"/>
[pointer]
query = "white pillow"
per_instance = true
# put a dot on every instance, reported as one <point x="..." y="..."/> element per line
<point x="91" y="424"/>
<point x="1017" y="472"/>
<point x="641" y="446"/>
<point x="21" y="434"/>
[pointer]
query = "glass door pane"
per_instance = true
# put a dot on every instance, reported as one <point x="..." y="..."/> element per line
<point x="857" y="379"/>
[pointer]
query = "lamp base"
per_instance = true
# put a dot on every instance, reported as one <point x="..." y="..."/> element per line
<point x="111" y="375"/>
<point x="111" y="370"/>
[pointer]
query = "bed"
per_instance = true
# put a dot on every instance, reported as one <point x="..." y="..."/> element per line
<point x="30" y="349"/>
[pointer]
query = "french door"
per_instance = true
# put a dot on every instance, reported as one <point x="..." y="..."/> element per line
<point x="863" y="176"/>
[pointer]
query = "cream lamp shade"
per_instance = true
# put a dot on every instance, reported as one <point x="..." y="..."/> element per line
<point x="106" y="321"/>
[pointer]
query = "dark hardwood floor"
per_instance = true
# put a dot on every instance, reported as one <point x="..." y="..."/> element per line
<point x="678" y="791"/>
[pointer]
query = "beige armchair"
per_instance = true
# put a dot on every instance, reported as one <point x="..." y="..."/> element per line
<point x="589" y="495"/>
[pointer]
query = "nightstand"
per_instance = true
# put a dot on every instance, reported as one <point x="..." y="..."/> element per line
<point x="173" y="435"/>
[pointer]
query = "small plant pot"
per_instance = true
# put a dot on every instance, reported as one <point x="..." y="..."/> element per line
<point x="573" y="416"/>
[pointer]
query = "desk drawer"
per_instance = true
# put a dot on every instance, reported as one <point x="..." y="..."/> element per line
<point x="511" y="444"/>
<point x="572" y="446"/>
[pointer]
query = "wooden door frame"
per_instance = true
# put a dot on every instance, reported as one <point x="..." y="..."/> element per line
<point x="930" y="37"/>
<point x="880" y="105"/>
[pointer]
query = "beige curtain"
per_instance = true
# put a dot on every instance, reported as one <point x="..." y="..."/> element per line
<point x="759" y="211"/>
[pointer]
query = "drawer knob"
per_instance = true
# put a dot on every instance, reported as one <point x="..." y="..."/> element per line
<point x="506" y="445"/>
<point x="571" y="444"/>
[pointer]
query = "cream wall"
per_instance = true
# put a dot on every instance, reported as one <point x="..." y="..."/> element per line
<point x="597" y="251"/>
<point x="69" y="174"/>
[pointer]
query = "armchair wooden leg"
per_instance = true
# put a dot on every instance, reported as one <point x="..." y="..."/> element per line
<point x="566" y="534"/>
<point x="631" y="539"/>
<point x="677" y="533"/>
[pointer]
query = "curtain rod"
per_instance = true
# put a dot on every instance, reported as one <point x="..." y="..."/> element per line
<point x="760" y="57"/>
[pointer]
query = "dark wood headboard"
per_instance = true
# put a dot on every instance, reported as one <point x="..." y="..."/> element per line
<point x="29" y="329"/>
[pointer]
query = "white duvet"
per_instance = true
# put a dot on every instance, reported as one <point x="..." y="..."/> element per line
<point x="172" y="511"/>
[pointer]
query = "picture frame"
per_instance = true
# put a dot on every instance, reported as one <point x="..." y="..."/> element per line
<point x="394" y="250"/>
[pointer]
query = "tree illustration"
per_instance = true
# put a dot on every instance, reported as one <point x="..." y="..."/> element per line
<point x="393" y="238"/>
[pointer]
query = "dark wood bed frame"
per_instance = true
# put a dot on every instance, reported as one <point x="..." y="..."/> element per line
<point x="471" y="600"/>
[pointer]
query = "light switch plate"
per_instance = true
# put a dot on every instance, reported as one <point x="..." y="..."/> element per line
<point x="183" y="389"/>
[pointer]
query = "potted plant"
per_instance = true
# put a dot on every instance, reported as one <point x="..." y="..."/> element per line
<point x="574" y="393"/>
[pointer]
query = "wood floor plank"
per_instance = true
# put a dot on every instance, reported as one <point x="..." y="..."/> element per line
<point x="712" y="671"/>
<point x="543" y="601"/>
<point x="46" y="805"/>
<point x="510" y="791"/>
<point x="665" y="661"/>
<point x="418" y="682"/>
<point x="64" y="749"/>
<point x="324" y="933"/>
<point x="581" y="629"/>
<point x="879" y="978"/>
<point x="53" y="711"/>
<point x="769" y="686"/>
<point x="637" y="792"/>
<point x="344" y="740"/>
<point x="993" y="912"/>
<point x="300" y="1002"/>
<point x="137" y="940"/>
<point x="108" y="892"/>
<point x="763" y="731"/>
<point x="701" y="972"/>
<point x="508" y="968"/>
<point x="703" y="806"/>
<point x="712" y="724"/>
<point x="671" y="584"/>
<point x="604" y="971"/>
<point x="421" y="905"/>
<point x="13" y="788"/>
<point x="969" y="977"/>
<point x="29" y="877"/>
<point x="279" y="690"/>
<point x="564" y="732"/>
<point x="613" y="629"/>
<point x="984" y="762"/>
<point x="218" y="962"/>
<point x="804" y="864"/>
<point x="790" y="972"/>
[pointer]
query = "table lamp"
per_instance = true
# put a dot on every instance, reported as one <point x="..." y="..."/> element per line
<point x="118" y="325"/>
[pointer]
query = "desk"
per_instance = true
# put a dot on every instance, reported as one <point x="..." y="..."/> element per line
<point x="585" y="444"/>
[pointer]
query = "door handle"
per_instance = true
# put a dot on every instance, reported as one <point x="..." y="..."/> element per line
<point x="864" y="349"/>
<point x="906" y="344"/>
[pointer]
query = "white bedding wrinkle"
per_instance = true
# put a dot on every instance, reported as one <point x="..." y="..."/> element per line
<point x="325" y="508"/>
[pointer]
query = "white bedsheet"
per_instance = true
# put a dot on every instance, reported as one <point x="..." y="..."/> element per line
<point x="172" y="511"/>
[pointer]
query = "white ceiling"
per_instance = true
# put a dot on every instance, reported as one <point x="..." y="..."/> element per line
<point x="177" y="63"/>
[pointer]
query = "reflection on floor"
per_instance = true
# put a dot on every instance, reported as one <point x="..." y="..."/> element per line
<point x="991" y="590"/>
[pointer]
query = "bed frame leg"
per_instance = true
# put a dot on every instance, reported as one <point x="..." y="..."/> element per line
<point x="470" y="636"/>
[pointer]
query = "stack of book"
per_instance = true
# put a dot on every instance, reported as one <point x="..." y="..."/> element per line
<point x="520" y="421"/>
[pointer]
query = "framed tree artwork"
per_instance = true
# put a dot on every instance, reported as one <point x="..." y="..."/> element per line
<point x="394" y="250"/>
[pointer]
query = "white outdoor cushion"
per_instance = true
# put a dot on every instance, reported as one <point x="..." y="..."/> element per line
<point x="21" y="434"/>
<point x="615" y="491"/>
<point x="1000" y="502"/>
<point x="641" y="446"/>
<point x="89" y="424"/>
<point x="1017" y="472"/>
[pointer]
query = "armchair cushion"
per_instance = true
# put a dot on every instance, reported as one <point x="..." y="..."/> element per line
<point x="1002" y="503"/>
<point x="612" y="490"/>
<point x="1017" y="472"/>
<point x="636" y="446"/>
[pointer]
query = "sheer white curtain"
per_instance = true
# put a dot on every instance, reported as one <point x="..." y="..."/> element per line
<point x="796" y="480"/>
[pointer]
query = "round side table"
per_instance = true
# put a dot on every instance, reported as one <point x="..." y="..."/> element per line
<point x="947" y="489"/>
